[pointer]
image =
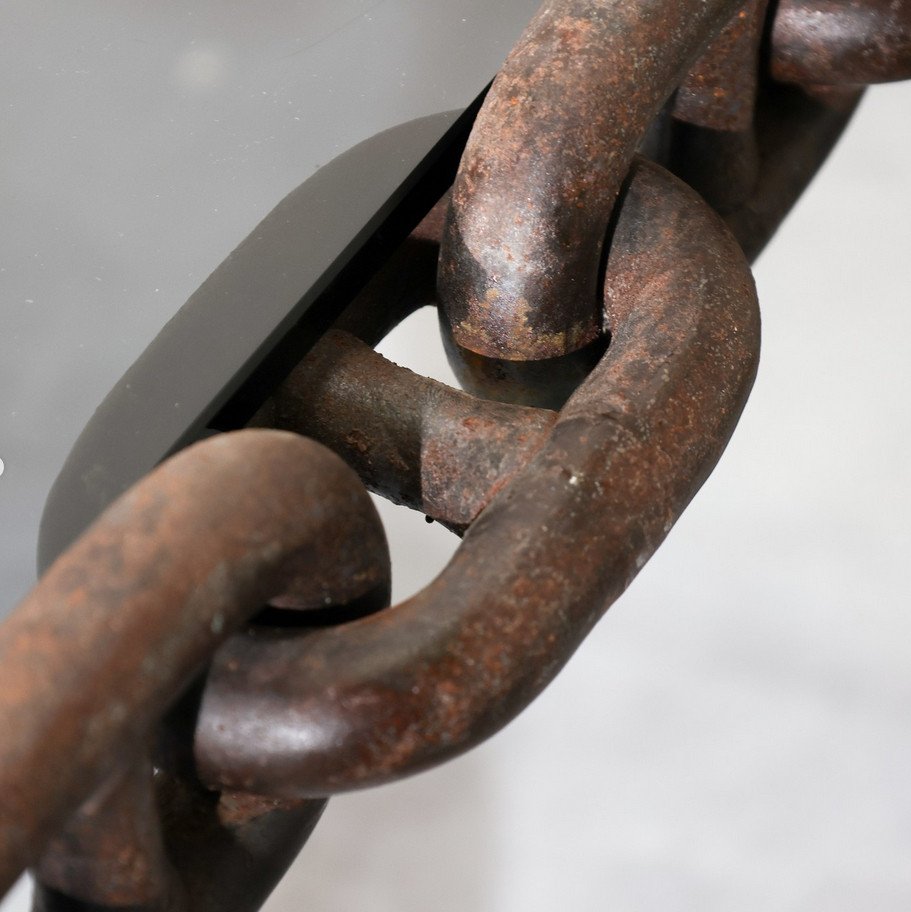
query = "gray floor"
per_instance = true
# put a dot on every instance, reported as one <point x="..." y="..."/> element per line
<point x="735" y="734"/>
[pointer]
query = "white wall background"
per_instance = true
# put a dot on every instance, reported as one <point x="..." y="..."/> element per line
<point x="735" y="734"/>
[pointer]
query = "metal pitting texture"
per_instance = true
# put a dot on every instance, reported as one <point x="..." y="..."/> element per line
<point x="216" y="655"/>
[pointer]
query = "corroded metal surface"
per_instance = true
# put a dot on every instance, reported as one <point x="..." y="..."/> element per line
<point x="410" y="687"/>
<point x="712" y="139"/>
<point x="518" y="276"/>
<point x="719" y="92"/>
<point x="223" y="851"/>
<point x="230" y="850"/>
<point x="111" y="852"/>
<point x="573" y="276"/>
<point x="416" y="441"/>
<point x="841" y="42"/>
<point x="118" y="626"/>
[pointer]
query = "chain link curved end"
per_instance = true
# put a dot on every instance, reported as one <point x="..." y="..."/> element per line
<point x="523" y="244"/>
<point x="123" y="621"/>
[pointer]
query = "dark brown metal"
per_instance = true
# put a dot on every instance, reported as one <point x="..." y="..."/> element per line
<point x="111" y="851"/>
<point x="713" y="144"/>
<point x="230" y="850"/>
<point x="841" y="42"/>
<point x="518" y="275"/>
<point x="722" y="165"/>
<point x="297" y="713"/>
<point x="120" y="624"/>
<point x="406" y="282"/>
<point x="796" y="128"/>
<point x="225" y="853"/>
<point x="416" y="441"/>
<point x="719" y="92"/>
<point x="562" y="510"/>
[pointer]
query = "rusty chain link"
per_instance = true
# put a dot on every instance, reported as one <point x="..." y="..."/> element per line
<point x="216" y="656"/>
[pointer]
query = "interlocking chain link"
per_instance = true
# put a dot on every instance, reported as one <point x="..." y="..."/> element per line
<point x="602" y="316"/>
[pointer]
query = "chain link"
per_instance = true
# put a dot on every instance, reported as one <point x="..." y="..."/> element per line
<point x="601" y="315"/>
